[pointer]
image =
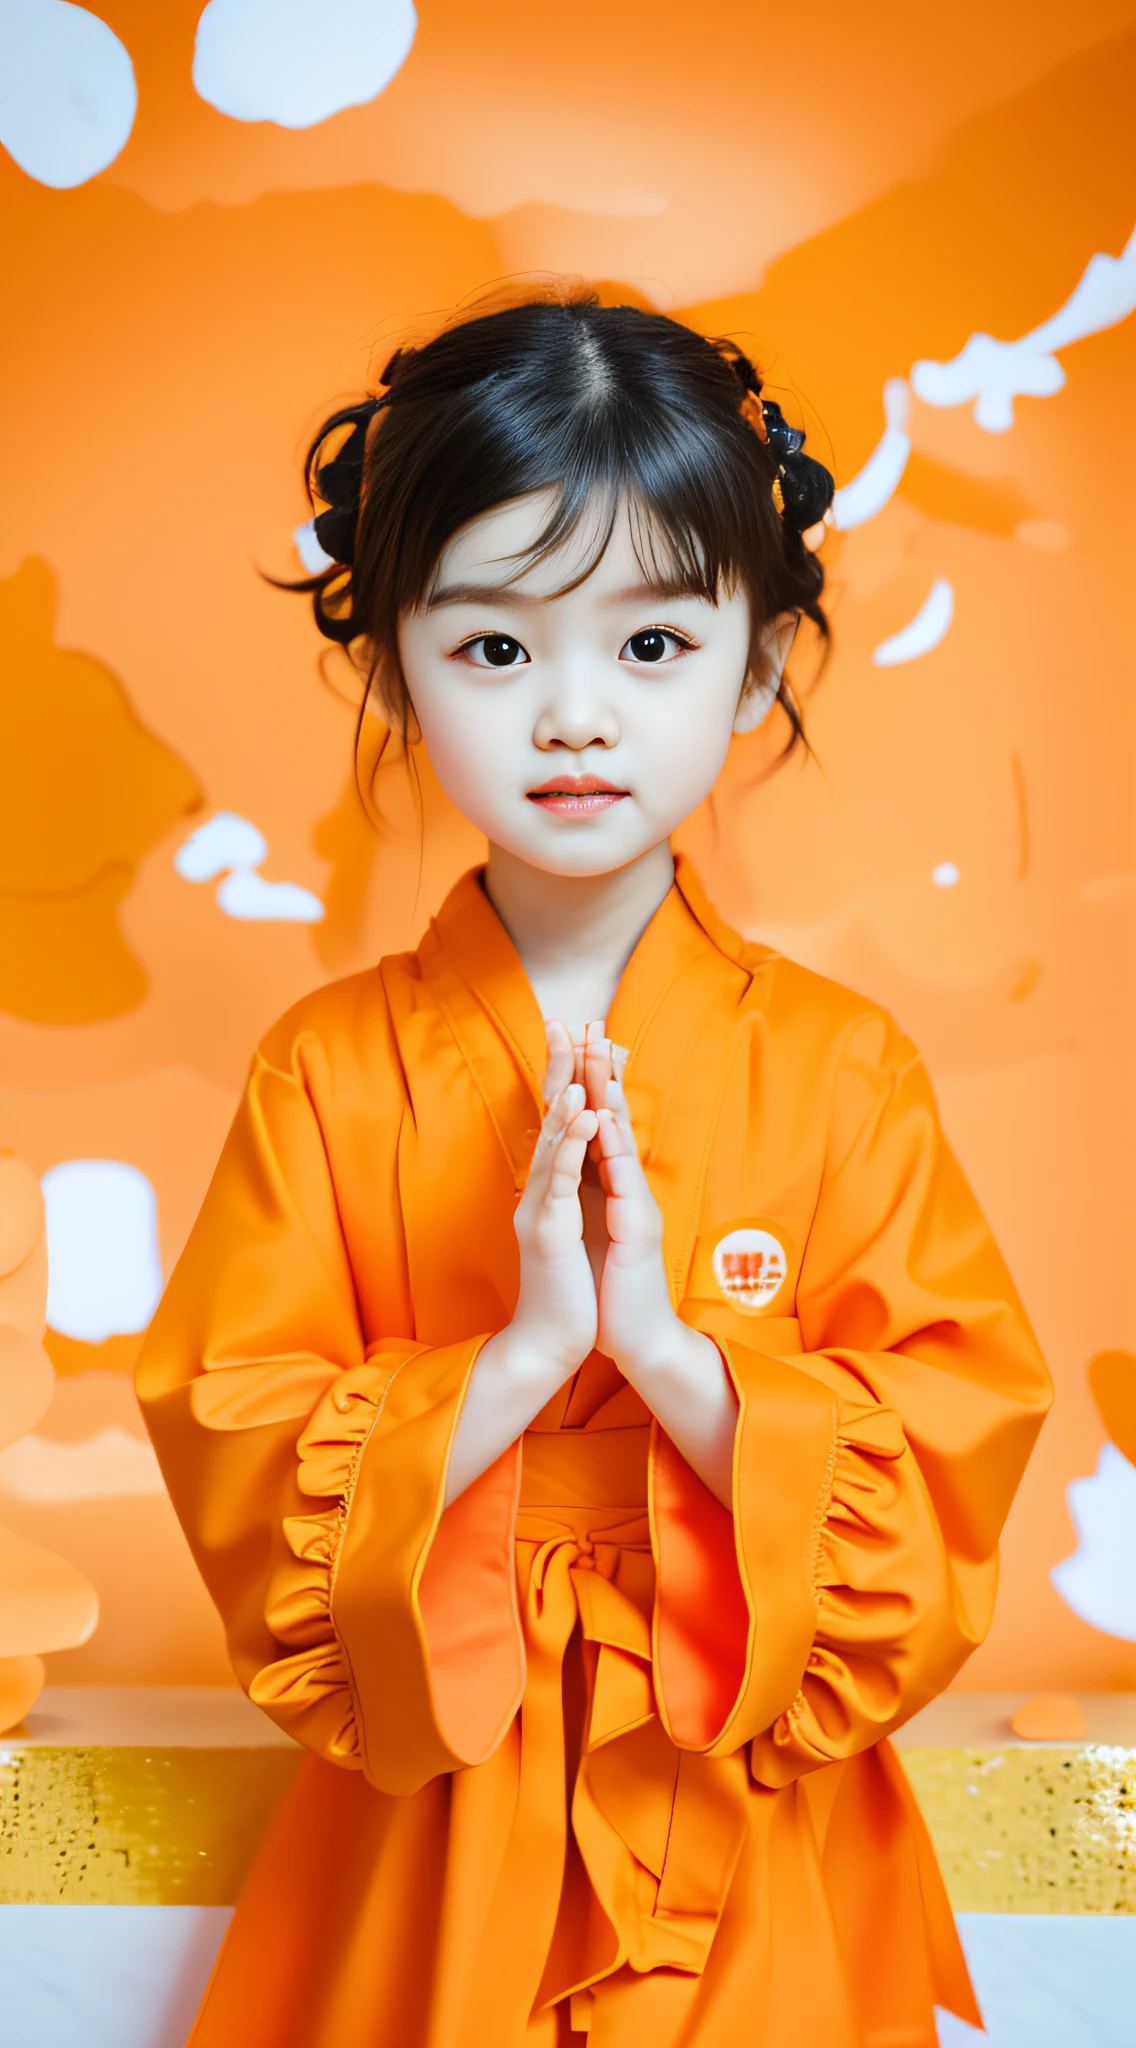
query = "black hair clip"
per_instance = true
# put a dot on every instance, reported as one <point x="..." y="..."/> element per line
<point x="783" y="439"/>
<point x="802" y="488"/>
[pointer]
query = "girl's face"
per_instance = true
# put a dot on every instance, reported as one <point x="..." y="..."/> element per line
<point x="575" y="728"/>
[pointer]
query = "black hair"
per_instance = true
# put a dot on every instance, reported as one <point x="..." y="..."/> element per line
<point x="604" y="404"/>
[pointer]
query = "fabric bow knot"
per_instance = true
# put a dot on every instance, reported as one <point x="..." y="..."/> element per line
<point x="659" y="1828"/>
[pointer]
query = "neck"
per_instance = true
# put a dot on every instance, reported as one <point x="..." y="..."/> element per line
<point x="576" y="933"/>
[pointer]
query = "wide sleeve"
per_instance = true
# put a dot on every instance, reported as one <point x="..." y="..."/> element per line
<point x="873" y="1470"/>
<point x="261" y="1396"/>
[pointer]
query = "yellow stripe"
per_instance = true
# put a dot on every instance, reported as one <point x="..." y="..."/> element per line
<point x="1017" y="1830"/>
<point x="1031" y="1830"/>
<point x="133" y="1827"/>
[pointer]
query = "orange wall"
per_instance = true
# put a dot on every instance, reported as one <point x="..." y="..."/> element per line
<point x="846" y="203"/>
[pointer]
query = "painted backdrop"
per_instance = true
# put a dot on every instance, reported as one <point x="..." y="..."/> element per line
<point x="215" y="224"/>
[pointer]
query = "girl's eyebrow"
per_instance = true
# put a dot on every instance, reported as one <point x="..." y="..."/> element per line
<point x="479" y="593"/>
<point x="508" y="593"/>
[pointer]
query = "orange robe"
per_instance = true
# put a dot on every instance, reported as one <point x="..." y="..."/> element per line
<point x="593" y="1759"/>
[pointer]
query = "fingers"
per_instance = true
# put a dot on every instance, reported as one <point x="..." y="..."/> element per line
<point x="604" y="1062"/>
<point x="591" y="1065"/>
<point x="616" y="1133"/>
<point x="597" y="1064"/>
<point x="634" y="1219"/>
<point x="593" y="1062"/>
<point x="569" y="1118"/>
<point x="562" y="1060"/>
<point x="557" y="1163"/>
<point x="621" y="1169"/>
<point x="567" y="1160"/>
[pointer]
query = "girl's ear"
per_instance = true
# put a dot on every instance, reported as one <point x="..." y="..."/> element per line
<point x="759" y="691"/>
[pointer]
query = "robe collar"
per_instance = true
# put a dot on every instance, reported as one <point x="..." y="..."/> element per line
<point x="675" y="1009"/>
<point x="479" y="948"/>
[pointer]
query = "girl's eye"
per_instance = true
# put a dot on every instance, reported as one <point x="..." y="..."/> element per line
<point x="495" y="650"/>
<point x="654" y="643"/>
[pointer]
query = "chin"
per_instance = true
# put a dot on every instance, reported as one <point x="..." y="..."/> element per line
<point x="587" y="855"/>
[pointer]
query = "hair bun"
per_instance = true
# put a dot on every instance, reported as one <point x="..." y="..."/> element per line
<point x="742" y="368"/>
<point x="338" y="480"/>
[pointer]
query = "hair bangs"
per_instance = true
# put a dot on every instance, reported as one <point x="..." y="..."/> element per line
<point x="681" y="542"/>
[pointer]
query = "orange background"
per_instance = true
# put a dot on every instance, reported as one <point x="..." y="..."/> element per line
<point x="847" y="191"/>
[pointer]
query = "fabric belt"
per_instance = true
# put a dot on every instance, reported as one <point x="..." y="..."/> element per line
<point x="659" y="1829"/>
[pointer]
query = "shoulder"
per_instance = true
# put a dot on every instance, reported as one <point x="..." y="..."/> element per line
<point x="797" y="1004"/>
<point x="837" y="1048"/>
<point x="346" y="1025"/>
<point x="800" y="1014"/>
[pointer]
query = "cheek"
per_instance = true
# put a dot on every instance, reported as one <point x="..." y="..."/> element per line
<point x="686" y="742"/>
<point x="448" y="733"/>
<point x="470" y="741"/>
<point x="446" y="717"/>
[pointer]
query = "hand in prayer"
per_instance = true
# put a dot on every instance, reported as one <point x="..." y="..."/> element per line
<point x="636" y="1320"/>
<point x="556" y="1310"/>
<point x="679" y="1373"/>
<point x="562" y="1311"/>
<point x="619" y="1298"/>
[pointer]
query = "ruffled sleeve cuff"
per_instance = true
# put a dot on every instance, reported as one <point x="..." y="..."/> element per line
<point x="886" y="1638"/>
<point x="401" y="1616"/>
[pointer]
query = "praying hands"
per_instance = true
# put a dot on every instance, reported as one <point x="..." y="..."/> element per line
<point x="563" y="1310"/>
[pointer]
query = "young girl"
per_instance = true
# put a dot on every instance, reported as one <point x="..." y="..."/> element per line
<point x="590" y="1390"/>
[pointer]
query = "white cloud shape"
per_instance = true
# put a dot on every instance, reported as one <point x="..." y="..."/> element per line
<point x="227" y="841"/>
<point x="232" y="846"/>
<point x="244" y="893"/>
<point x="67" y="91"/>
<point x="945" y="875"/>
<point x="925" y="631"/>
<point x="98" y="1467"/>
<point x="868" y="492"/>
<point x="296" y="62"/>
<point x="104" y="1271"/>
<point x="1099" y="1581"/>
<point x="994" y="373"/>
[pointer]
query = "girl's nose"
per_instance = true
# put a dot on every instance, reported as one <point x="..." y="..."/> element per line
<point x="576" y="725"/>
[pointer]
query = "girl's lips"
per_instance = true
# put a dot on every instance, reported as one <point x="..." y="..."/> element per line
<point x="572" y="803"/>
<point x="576" y="796"/>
